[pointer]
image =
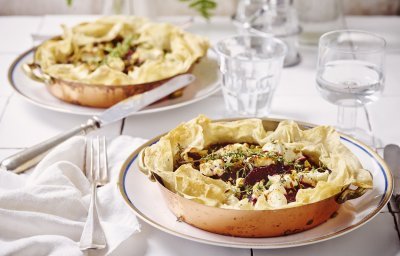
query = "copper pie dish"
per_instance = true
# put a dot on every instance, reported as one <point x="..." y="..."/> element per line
<point x="100" y="63"/>
<point x="91" y="95"/>
<point x="252" y="223"/>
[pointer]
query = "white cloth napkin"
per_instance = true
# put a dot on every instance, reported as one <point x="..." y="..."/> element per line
<point x="43" y="213"/>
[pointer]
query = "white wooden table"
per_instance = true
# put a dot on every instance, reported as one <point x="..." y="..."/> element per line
<point x="23" y="124"/>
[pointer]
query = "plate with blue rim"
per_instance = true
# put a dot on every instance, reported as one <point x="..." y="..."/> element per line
<point x="145" y="199"/>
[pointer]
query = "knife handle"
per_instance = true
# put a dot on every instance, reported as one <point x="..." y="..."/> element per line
<point x="29" y="157"/>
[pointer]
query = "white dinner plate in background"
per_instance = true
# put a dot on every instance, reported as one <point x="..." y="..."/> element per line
<point x="206" y="84"/>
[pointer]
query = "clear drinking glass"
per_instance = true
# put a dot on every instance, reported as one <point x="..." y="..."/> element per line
<point x="250" y="67"/>
<point x="350" y="74"/>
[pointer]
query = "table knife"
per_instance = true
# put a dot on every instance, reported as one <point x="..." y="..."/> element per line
<point x="391" y="154"/>
<point x="29" y="157"/>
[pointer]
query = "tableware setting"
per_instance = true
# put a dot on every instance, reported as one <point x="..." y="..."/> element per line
<point x="145" y="198"/>
<point x="133" y="188"/>
<point x="129" y="71"/>
<point x="33" y="91"/>
<point x="239" y="180"/>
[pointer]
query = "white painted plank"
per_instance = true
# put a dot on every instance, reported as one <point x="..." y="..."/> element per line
<point x="16" y="33"/>
<point x="377" y="237"/>
<point x="5" y="62"/>
<point x="3" y="104"/>
<point x="152" y="242"/>
<point x="385" y="120"/>
<point x="25" y="124"/>
<point x="312" y="109"/>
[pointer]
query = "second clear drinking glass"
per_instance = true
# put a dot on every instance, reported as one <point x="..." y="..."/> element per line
<point x="250" y="67"/>
<point x="350" y="74"/>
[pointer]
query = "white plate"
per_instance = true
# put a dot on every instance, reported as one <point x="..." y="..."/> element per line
<point x="146" y="200"/>
<point x="207" y="83"/>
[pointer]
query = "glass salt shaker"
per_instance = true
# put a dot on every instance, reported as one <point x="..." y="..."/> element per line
<point x="246" y="12"/>
<point x="276" y="18"/>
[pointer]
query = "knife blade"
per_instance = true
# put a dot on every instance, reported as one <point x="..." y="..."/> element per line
<point x="135" y="103"/>
<point x="29" y="157"/>
<point x="391" y="154"/>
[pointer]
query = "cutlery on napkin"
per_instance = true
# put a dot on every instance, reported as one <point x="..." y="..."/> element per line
<point x="43" y="212"/>
<point x="391" y="154"/>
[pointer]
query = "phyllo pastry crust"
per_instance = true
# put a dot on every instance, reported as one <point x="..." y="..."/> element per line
<point x="120" y="50"/>
<point x="240" y="165"/>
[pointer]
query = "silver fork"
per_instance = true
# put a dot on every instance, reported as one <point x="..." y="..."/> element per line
<point x="97" y="173"/>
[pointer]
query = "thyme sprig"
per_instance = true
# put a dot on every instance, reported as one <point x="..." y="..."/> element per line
<point x="204" y="7"/>
<point x="121" y="48"/>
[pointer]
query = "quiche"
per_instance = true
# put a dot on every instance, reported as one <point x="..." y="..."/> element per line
<point x="100" y="63"/>
<point x="120" y="50"/>
<point x="240" y="165"/>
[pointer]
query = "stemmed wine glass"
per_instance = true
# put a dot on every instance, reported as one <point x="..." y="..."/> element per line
<point x="350" y="74"/>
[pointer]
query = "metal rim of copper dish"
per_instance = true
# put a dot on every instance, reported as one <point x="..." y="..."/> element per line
<point x="383" y="201"/>
<point x="91" y="95"/>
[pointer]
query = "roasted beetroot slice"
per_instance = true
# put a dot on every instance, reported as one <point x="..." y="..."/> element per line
<point x="262" y="172"/>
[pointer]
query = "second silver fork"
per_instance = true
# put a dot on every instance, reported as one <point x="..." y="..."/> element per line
<point x="97" y="173"/>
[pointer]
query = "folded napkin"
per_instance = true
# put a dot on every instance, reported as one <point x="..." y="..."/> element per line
<point x="44" y="212"/>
